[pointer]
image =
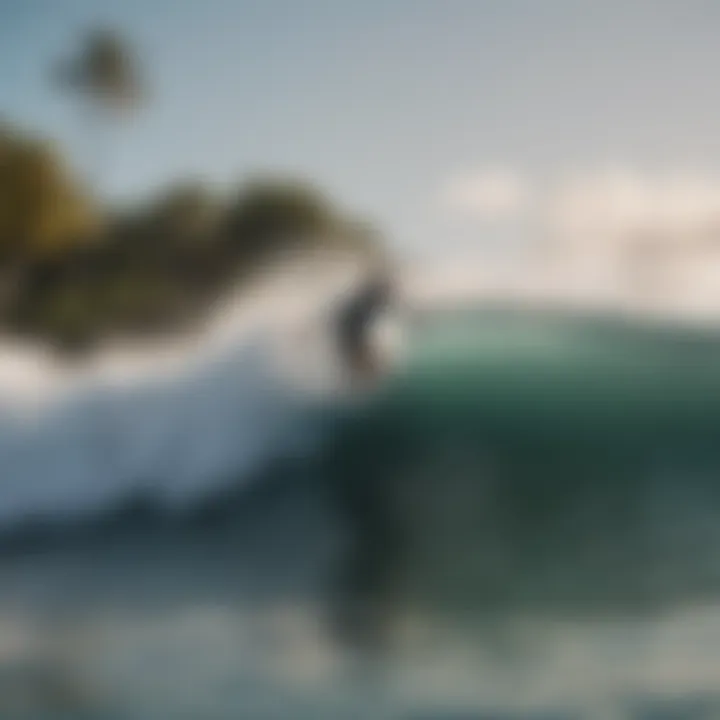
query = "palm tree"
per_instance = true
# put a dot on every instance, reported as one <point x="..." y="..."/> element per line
<point x="105" y="75"/>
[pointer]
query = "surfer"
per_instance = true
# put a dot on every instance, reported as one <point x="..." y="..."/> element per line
<point x="353" y="321"/>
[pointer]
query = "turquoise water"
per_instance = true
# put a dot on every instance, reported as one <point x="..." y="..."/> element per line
<point x="594" y="443"/>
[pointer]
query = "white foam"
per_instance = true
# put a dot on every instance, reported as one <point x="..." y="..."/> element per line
<point x="170" y="419"/>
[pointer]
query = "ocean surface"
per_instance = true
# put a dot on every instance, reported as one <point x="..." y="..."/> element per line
<point x="519" y="521"/>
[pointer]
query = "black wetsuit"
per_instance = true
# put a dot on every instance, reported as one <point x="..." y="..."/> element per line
<point x="362" y="492"/>
<point x="356" y="315"/>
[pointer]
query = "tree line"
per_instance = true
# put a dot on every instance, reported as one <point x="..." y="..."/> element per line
<point x="74" y="271"/>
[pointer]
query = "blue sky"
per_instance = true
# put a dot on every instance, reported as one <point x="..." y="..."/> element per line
<point x="384" y="102"/>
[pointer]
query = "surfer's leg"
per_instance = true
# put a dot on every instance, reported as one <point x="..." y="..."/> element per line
<point x="365" y="583"/>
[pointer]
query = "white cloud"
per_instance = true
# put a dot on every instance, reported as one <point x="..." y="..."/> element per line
<point x="619" y="236"/>
<point x="623" y="205"/>
<point x="490" y="194"/>
<point x="607" y="206"/>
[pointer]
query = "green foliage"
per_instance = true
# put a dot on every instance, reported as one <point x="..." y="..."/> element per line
<point x="106" y="76"/>
<point x="268" y="212"/>
<point x="185" y="215"/>
<point x="155" y="266"/>
<point x="274" y="216"/>
<point x="104" y="71"/>
<point x="42" y="211"/>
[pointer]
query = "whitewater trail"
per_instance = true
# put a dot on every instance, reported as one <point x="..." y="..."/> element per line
<point x="173" y="419"/>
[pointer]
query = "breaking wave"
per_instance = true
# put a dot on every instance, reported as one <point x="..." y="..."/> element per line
<point x="175" y="421"/>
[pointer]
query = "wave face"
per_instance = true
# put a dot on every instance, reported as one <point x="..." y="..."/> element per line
<point x="545" y="461"/>
<point x="556" y="403"/>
